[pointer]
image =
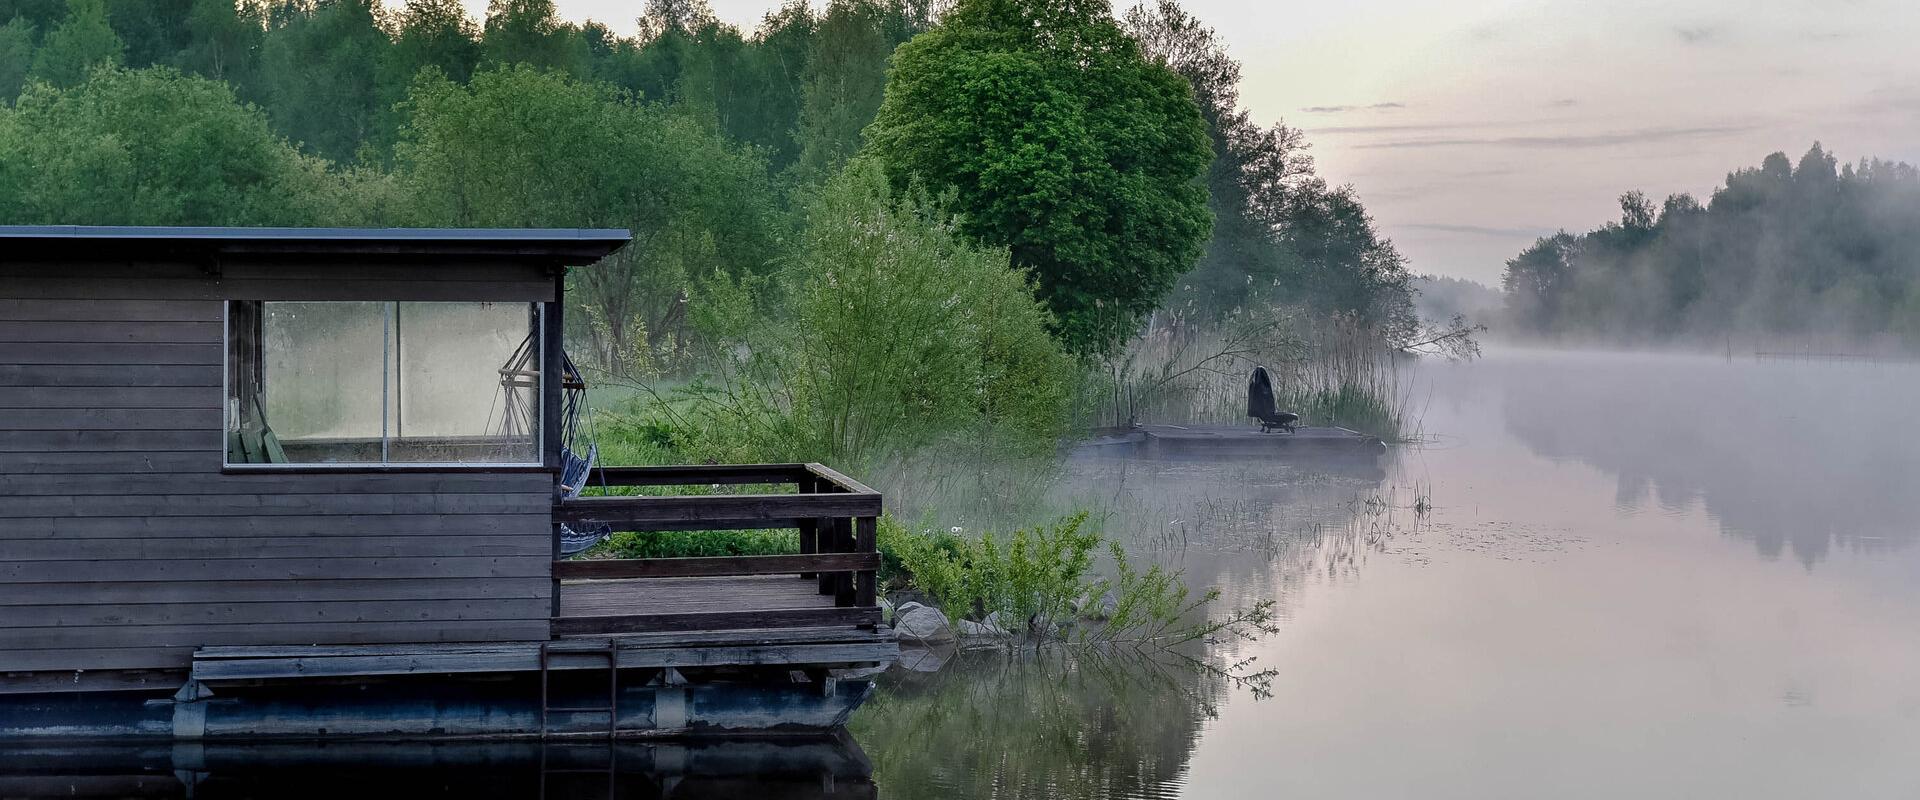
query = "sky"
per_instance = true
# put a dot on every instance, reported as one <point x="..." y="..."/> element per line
<point x="1471" y="127"/>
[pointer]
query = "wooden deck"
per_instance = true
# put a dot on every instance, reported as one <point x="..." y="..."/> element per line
<point x="829" y="583"/>
<point x="701" y="604"/>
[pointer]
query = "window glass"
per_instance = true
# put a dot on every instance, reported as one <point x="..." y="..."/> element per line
<point x="466" y="383"/>
<point x="376" y="383"/>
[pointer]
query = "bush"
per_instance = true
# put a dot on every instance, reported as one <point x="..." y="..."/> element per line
<point x="896" y="335"/>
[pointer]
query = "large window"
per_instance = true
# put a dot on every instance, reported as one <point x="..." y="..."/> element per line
<point x="359" y="383"/>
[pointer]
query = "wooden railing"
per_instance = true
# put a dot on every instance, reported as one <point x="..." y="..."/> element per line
<point x="837" y="517"/>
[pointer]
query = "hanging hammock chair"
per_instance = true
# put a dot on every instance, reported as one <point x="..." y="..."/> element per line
<point x="518" y="384"/>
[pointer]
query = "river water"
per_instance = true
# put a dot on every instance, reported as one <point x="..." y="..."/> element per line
<point x="1597" y="575"/>
<point x="1600" y="575"/>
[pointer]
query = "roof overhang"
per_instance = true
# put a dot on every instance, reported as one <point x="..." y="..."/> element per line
<point x="79" y="243"/>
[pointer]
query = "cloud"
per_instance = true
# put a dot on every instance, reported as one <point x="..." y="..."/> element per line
<point x="1610" y="139"/>
<point x="1479" y="230"/>
<point x="1564" y="102"/>
<point x="1345" y="109"/>
<point x="1697" y="34"/>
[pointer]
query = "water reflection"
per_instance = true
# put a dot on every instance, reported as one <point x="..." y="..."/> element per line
<point x="828" y="769"/>
<point x="1793" y="456"/>
<point x="1080" y="723"/>
<point x="1037" y="725"/>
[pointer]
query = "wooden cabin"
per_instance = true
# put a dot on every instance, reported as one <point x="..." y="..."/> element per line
<point x="237" y="459"/>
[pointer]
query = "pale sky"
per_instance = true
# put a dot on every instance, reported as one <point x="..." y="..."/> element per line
<point x="1469" y="127"/>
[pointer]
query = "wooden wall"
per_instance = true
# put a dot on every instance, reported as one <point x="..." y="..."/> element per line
<point x="124" y="546"/>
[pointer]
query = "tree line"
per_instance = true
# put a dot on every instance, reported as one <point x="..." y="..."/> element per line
<point x="1812" y="252"/>
<point x="1107" y="156"/>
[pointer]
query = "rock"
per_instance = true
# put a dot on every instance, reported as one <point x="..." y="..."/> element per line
<point x="918" y="623"/>
<point x="1100" y="608"/>
<point x="972" y="629"/>
<point x="923" y="659"/>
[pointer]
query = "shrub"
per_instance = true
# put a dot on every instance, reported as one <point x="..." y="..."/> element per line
<point x="896" y="335"/>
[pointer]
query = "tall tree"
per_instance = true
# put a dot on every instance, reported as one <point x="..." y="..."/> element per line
<point x="83" y="40"/>
<point x="16" y="57"/>
<point x="1282" y="235"/>
<point x="1054" y="136"/>
<point x="433" y="33"/>
<point x="223" y="41"/>
<point x="527" y="147"/>
<point x="531" y="32"/>
<point x="846" y="78"/>
<point x="319" y="73"/>
<point x="154" y="147"/>
<point x="154" y="30"/>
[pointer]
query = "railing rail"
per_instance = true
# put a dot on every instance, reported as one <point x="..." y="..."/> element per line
<point x="837" y="518"/>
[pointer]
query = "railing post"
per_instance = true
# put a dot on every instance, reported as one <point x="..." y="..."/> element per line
<point x="809" y="528"/>
<point x="843" y="594"/>
<point x="866" y="540"/>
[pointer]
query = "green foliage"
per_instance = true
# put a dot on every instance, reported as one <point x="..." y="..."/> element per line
<point x="892" y="332"/>
<point x="1789" y="251"/>
<point x="154" y="147"/>
<point x="1040" y="582"/>
<point x="1282" y="235"/>
<point x="1057" y="139"/>
<point x="319" y="71"/>
<point x="696" y="544"/>
<point x="530" y="32"/>
<point x="1031" y="577"/>
<point x="82" y="41"/>
<point x="16" y="57"/>
<point x="521" y="146"/>
<point x="846" y="78"/>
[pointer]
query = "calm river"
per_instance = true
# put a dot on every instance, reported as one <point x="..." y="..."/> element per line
<point x="1600" y="575"/>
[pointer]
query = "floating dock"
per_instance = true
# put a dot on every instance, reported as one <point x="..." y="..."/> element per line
<point x="1235" y="441"/>
<point x="207" y="534"/>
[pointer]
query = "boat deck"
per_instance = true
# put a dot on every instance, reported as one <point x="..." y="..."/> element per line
<point x="1216" y="440"/>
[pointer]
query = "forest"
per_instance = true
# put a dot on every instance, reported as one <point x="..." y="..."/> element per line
<point x="863" y="226"/>
<point x="1808" y="256"/>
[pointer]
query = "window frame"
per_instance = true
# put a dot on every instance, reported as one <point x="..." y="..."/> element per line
<point x="226" y="390"/>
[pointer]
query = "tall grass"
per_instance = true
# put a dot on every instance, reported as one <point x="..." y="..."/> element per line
<point x="1331" y="370"/>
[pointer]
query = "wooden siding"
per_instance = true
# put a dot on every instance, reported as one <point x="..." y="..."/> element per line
<point x="123" y="545"/>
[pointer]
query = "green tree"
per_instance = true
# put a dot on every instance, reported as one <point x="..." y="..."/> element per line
<point x="1281" y="235"/>
<point x="82" y="41"/>
<point x="1054" y="136"/>
<point x="223" y="41"/>
<point x="16" y="57"/>
<point x="433" y="33"/>
<point x="154" y="147"/>
<point x="526" y="147"/>
<point x="896" y="331"/>
<point x="154" y="30"/>
<point x="531" y="32"/>
<point x="319" y="77"/>
<point x="41" y="14"/>
<point x="846" y="78"/>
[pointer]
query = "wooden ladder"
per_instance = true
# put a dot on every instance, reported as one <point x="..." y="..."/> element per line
<point x="607" y="650"/>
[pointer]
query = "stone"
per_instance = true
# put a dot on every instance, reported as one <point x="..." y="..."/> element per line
<point x="971" y="629"/>
<point x="922" y="624"/>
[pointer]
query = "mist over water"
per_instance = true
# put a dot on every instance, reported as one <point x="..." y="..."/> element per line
<point x="1641" y="575"/>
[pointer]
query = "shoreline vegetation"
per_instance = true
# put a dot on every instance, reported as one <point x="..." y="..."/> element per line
<point x="931" y="247"/>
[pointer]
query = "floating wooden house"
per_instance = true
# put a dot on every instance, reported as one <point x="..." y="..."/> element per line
<point x="307" y="482"/>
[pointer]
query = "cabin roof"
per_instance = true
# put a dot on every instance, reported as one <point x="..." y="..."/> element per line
<point x="571" y="246"/>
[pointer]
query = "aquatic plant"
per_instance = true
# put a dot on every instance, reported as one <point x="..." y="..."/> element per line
<point x="1039" y="584"/>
